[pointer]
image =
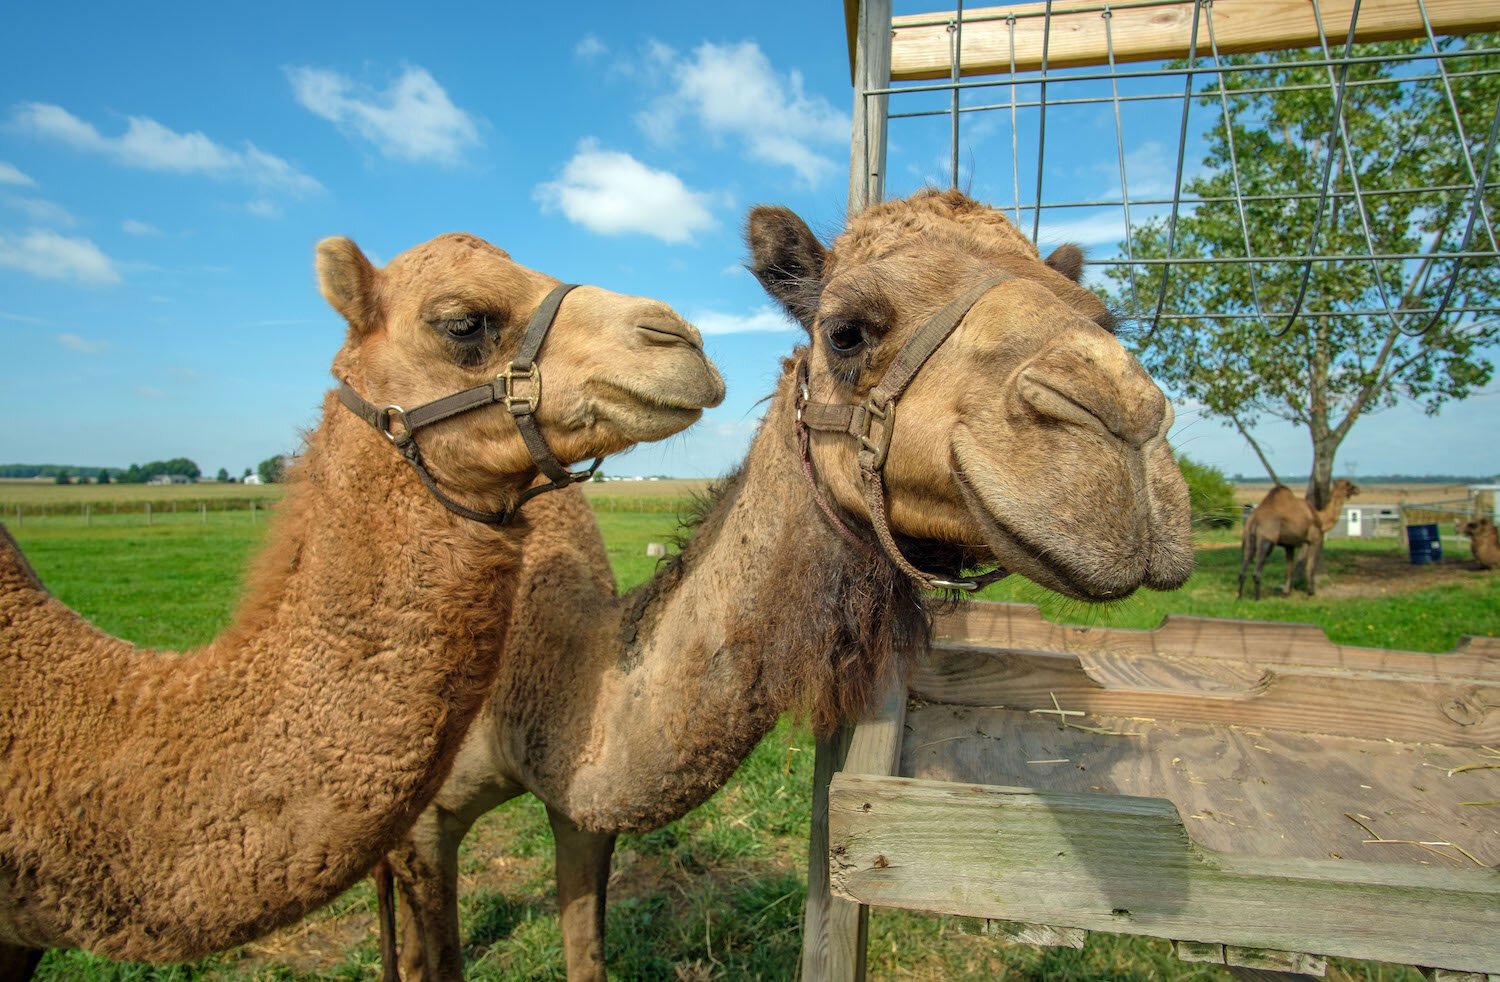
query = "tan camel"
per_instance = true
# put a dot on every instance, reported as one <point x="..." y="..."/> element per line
<point x="160" y="806"/>
<point x="1482" y="540"/>
<point x="1283" y="519"/>
<point x="1030" y="438"/>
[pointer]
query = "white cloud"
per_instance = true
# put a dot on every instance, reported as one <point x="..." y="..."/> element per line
<point x="612" y="193"/>
<point x="732" y="90"/>
<point x="149" y="145"/>
<point x="263" y="208"/>
<point x="11" y="174"/>
<point x="589" y="46"/>
<point x="413" y="119"/>
<point x="41" y="211"/>
<point x="81" y="345"/>
<point x="1097" y="228"/>
<point x="132" y="227"/>
<point x="764" y="318"/>
<point x="56" y="257"/>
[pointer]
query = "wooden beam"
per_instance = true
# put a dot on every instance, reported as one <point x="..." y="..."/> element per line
<point x="1126" y="865"/>
<point x="921" y="46"/>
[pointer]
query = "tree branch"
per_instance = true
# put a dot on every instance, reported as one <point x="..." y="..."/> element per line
<point x="1256" y="447"/>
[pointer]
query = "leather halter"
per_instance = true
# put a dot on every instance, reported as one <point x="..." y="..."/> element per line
<point x="523" y="368"/>
<point x="872" y="422"/>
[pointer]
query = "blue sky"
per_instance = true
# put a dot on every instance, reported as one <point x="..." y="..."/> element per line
<point x="164" y="176"/>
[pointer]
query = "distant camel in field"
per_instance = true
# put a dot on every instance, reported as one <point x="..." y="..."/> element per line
<point x="1029" y="438"/>
<point x="1283" y="519"/>
<point x="1483" y="541"/>
<point x="160" y="806"/>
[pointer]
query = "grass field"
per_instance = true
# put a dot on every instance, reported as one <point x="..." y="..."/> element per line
<point x="717" y="894"/>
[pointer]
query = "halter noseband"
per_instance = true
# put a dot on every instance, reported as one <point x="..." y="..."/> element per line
<point x="872" y="422"/>
<point x="523" y="368"/>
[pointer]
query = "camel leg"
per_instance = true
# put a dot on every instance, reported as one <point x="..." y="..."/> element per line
<point x="1263" y="550"/>
<point x="582" y="881"/>
<point x="425" y="866"/>
<point x="1291" y="563"/>
<point x="1245" y="549"/>
<point x="1310" y="567"/>
<point x="16" y="963"/>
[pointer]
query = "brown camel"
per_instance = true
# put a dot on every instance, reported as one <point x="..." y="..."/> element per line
<point x="1482" y="540"/>
<point x="1031" y="439"/>
<point x="161" y="806"/>
<point x="1283" y="519"/>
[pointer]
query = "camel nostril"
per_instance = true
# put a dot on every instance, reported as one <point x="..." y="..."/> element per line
<point x="667" y="331"/>
<point x="1133" y="420"/>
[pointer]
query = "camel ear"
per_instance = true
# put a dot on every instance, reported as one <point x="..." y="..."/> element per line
<point x="787" y="259"/>
<point x="1067" y="260"/>
<point x="348" y="282"/>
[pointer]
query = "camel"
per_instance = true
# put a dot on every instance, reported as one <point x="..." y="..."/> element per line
<point x="1283" y="519"/>
<point x="160" y="806"/>
<point x="1482" y="540"/>
<point x="1030" y="438"/>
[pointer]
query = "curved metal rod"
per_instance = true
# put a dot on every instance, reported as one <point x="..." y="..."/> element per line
<point x="1474" y="210"/>
<point x="1109" y="44"/>
<point x="1340" y="87"/>
<point x="1041" y="129"/>
<point x="1234" y="167"/>
<point x="1187" y="102"/>
<point x="1359" y="201"/>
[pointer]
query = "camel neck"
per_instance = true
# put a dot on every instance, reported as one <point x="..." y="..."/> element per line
<point x="767" y="608"/>
<point x="247" y="782"/>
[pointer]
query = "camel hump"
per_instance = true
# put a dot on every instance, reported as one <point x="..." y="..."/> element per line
<point x="15" y="572"/>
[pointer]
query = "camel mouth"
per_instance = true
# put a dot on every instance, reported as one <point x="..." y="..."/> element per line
<point x="1095" y="549"/>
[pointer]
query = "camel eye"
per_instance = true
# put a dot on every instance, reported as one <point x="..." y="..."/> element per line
<point x="464" y="327"/>
<point x="845" y="337"/>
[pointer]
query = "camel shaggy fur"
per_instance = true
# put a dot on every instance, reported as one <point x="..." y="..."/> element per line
<point x="1283" y="519"/>
<point x="1031" y="438"/>
<point x="160" y="806"/>
<point x="1483" y="541"/>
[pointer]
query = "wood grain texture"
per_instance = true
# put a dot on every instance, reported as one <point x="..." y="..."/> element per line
<point x="922" y="49"/>
<point x="1126" y="865"/>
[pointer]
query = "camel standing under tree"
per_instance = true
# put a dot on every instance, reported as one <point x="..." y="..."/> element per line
<point x="1030" y="438"/>
<point x="161" y="806"/>
<point x="1283" y="519"/>
<point x="1483" y="541"/>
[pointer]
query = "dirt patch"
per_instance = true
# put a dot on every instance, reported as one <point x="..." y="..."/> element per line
<point x="1377" y="574"/>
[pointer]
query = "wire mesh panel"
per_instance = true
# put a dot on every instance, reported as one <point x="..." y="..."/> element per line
<point x="1259" y="161"/>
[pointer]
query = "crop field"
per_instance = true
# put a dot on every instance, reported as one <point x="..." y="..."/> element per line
<point x="717" y="894"/>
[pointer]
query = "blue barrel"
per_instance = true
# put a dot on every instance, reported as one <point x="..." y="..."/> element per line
<point x="1425" y="544"/>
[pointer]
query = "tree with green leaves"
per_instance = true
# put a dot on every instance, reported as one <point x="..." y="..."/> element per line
<point x="1401" y="183"/>
<point x="272" y="470"/>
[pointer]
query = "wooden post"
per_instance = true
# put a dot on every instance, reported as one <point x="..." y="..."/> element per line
<point x="88" y="515"/>
<point x="18" y="516"/>
<point x="203" y="512"/>
<point x="252" y="513"/>
<point x="148" y="514"/>
<point x="872" y="70"/>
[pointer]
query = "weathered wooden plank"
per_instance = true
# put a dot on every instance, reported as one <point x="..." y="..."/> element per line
<point x="1355" y="704"/>
<point x="1126" y="865"/>
<point x="921" y="46"/>
<point x="1021" y="627"/>
<point x="1243" y="791"/>
<point x="817" y="940"/>
<point x="1038" y="934"/>
<point x="1269" y="960"/>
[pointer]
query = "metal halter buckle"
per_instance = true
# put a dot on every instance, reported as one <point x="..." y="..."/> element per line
<point x="525" y="404"/>
<point x="877" y="449"/>
<point x="385" y="425"/>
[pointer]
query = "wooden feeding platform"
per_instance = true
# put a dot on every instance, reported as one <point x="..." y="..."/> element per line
<point x="1251" y="791"/>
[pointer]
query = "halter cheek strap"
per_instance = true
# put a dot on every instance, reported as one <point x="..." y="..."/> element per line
<point x="504" y="389"/>
<point x="872" y="422"/>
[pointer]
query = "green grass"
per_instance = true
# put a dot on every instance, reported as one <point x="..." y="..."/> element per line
<point x="717" y="894"/>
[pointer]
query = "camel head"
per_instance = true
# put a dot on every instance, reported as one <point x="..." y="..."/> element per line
<point x="1477" y="528"/>
<point x="1030" y="437"/>
<point x="448" y="314"/>
<point x="1343" y="490"/>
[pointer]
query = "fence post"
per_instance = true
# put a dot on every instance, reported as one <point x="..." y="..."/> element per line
<point x="18" y="516"/>
<point x="252" y="513"/>
<point x="148" y="514"/>
<point x="203" y="512"/>
<point x="88" y="515"/>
